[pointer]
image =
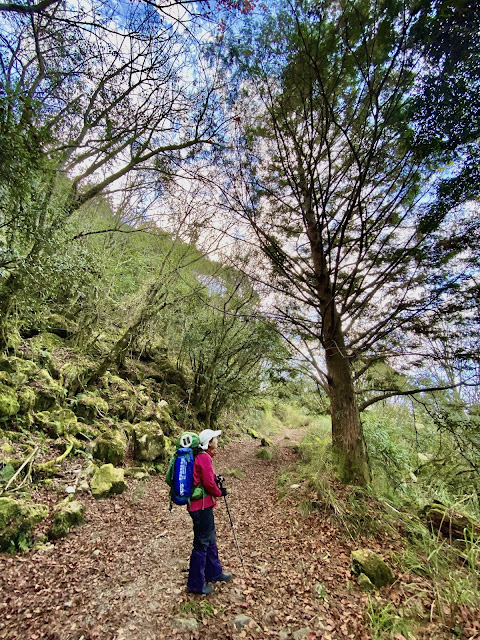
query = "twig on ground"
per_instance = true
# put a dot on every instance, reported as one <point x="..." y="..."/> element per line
<point x="29" y="459"/>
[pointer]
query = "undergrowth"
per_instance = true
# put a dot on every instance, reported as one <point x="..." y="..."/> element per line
<point x="449" y="584"/>
<point x="272" y="416"/>
<point x="385" y="622"/>
<point x="453" y="570"/>
<point x="263" y="454"/>
<point x="198" y="608"/>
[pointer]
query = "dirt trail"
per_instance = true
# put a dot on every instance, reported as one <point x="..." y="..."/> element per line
<point x="122" y="575"/>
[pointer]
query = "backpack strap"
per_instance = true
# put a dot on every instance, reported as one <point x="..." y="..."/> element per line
<point x="198" y="451"/>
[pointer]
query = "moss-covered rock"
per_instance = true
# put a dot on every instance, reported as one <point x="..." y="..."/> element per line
<point x="17" y="519"/>
<point x="13" y="436"/>
<point x="41" y="349"/>
<point x="171" y="374"/>
<point x="148" y="441"/>
<point x="42" y="421"/>
<point x="6" y="378"/>
<point x="90" y="470"/>
<point x="253" y="434"/>
<point x="75" y="372"/>
<point x="67" y="514"/>
<point x="44" y="342"/>
<point x="89" y="406"/>
<point x="169" y="448"/>
<point x="14" y="339"/>
<point x="110" y="448"/>
<point x="107" y="480"/>
<point x="54" y="323"/>
<point x="9" y="405"/>
<point x="126" y="427"/>
<point x="365" y="583"/>
<point x="19" y="370"/>
<point x="48" y="391"/>
<point x="123" y="405"/>
<point x="266" y="442"/>
<point x="26" y="398"/>
<point x="176" y="391"/>
<point x="162" y="416"/>
<point x="7" y="448"/>
<point x="371" y="564"/>
<point x="122" y="396"/>
<point x="115" y="383"/>
<point x="147" y="411"/>
<point x="57" y="422"/>
<point x="87" y="432"/>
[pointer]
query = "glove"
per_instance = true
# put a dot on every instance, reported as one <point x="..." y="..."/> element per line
<point x="224" y="491"/>
<point x="219" y="481"/>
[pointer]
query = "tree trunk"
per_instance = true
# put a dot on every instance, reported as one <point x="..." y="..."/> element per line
<point x="348" y="442"/>
<point x="208" y="415"/>
<point x="347" y="433"/>
<point x="7" y="300"/>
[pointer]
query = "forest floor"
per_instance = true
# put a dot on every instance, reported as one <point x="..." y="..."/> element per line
<point x="122" y="574"/>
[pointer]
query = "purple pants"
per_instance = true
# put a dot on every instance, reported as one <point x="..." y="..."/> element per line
<point x="204" y="563"/>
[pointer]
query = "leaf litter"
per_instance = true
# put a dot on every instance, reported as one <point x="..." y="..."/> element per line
<point x="122" y="574"/>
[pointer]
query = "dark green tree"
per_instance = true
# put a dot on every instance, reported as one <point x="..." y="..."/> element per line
<point x="335" y="193"/>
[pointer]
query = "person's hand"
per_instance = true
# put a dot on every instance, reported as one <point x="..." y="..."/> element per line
<point x="224" y="491"/>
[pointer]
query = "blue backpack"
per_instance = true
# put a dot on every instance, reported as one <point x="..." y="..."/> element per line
<point x="179" y="476"/>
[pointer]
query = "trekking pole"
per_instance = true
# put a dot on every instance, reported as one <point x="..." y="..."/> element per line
<point x="220" y="484"/>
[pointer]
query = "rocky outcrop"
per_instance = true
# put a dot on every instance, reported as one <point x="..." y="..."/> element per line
<point x="26" y="398"/>
<point x="9" y="405"/>
<point x="122" y="396"/>
<point x="110" y="448"/>
<point x="189" y="625"/>
<point x="48" y="392"/>
<point x="89" y="406"/>
<point x="365" y="583"/>
<point x="148" y="441"/>
<point x="20" y="371"/>
<point x="57" y="422"/>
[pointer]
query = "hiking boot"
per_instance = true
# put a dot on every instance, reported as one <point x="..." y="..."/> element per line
<point x="206" y="590"/>
<point x="223" y="577"/>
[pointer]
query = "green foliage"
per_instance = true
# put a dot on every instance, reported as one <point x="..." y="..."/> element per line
<point x="453" y="571"/>
<point x="417" y="460"/>
<point x="7" y="472"/>
<point x="445" y="105"/>
<point x="385" y="431"/>
<point x="199" y="608"/>
<point x="221" y="336"/>
<point x="236" y="473"/>
<point x="272" y="412"/>
<point x="386" y="623"/>
<point x="264" y="454"/>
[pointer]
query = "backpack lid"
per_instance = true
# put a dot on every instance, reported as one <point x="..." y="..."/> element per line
<point x="188" y="440"/>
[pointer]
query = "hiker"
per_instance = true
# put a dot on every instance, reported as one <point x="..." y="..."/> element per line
<point x="204" y="563"/>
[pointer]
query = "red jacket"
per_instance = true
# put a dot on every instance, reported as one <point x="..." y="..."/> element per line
<point x="203" y="475"/>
